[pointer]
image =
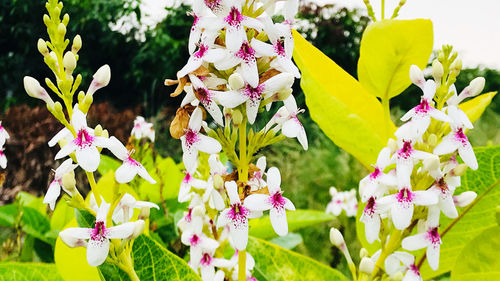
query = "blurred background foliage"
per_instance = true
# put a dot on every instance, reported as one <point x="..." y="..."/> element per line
<point x="141" y="59"/>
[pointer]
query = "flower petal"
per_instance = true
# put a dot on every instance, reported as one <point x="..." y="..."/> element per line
<point x="401" y="215"/>
<point x="52" y="194"/>
<point x="257" y="202"/>
<point x="415" y="242"/>
<point x="125" y="173"/>
<point x="208" y="145"/>
<point x="66" y="150"/>
<point x="121" y="231"/>
<point x="59" y="136"/>
<point x="433" y="256"/>
<point x="97" y="252"/>
<point x="467" y="154"/>
<point x="88" y="158"/>
<point x="278" y="221"/>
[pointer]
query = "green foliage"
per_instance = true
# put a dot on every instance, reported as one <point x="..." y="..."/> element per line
<point x="275" y="263"/>
<point x="107" y="164"/>
<point x="474" y="219"/>
<point x="168" y="178"/>
<point x="349" y="115"/>
<point x="13" y="271"/>
<point x="388" y="49"/>
<point x="61" y="216"/>
<point x="153" y="262"/>
<point x="479" y="260"/>
<point x="262" y="228"/>
<point x="84" y="218"/>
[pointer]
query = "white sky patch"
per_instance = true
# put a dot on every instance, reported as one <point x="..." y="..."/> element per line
<point x="472" y="27"/>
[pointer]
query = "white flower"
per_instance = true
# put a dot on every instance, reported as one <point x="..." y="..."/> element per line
<point x="193" y="218"/>
<point x="236" y="216"/>
<point x="371" y="219"/>
<point x="457" y="140"/>
<point x="235" y="24"/>
<point x="375" y="184"/>
<point x="56" y="184"/>
<point x="207" y="264"/>
<point x="85" y="144"/>
<point x="405" y="159"/>
<point x="291" y="126"/>
<point x="198" y="91"/>
<point x="401" y="204"/>
<point x="246" y="58"/>
<point x="206" y="53"/>
<point x="186" y="184"/>
<point x="344" y="200"/>
<point x="143" y="129"/>
<point x="3" y="135"/>
<point x="429" y="239"/>
<point x="101" y="79"/>
<point x="3" y="158"/>
<point x="256" y="181"/>
<point x="402" y="262"/>
<point x="198" y="243"/>
<point x="274" y="202"/>
<point x="130" y="167"/>
<point x="124" y="210"/>
<point x="98" y="237"/>
<point x="421" y="114"/>
<point x="253" y="95"/>
<point x="193" y="141"/>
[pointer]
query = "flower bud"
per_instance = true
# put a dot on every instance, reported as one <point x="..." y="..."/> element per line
<point x="46" y="19"/>
<point x="417" y="76"/>
<point x="69" y="183"/>
<point x="431" y="163"/>
<point x="366" y="265"/>
<point x="392" y="145"/>
<point x="460" y="170"/>
<point x="432" y="140"/>
<point x="144" y="214"/>
<point x="333" y="191"/>
<point x="69" y="62"/>
<point x="218" y="182"/>
<point x="437" y="70"/>
<point x="363" y="253"/>
<point x="65" y="19"/>
<point x="58" y="107"/>
<point x="283" y="94"/>
<point x="464" y="199"/>
<point x="105" y="133"/>
<point x="101" y="79"/>
<point x="237" y="117"/>
<point x="336" y="237"/>
<point x="235" y="81"/>
<point x="476" y="86"/>
<point x="456" y="66"/>
<point x="42" y="47"/>
<point x="138" y="229"/>
<point x="61" y="29"/>
<point x="81" y="96"/>
<point x="98" y="130"/>
<point x="77" y="44"/>
<point x="199" y="210"/>
<point x="440" y="55"/>
<point x="35" y="90"/>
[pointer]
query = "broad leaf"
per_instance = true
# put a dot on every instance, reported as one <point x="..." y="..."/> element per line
<point x="388" y="49"/>
<point x="274" y="263"/>
<point x="61" y="216"/>
<point x="289" y="241"/>
<point x="479" y="260"/>
<point x="108" y="164"/>
<point x="168" y="178"/>
<point x="8" y="214"/>
<point x="153" y="262"/>
<point x="35" y="224"/>
<point x="28" y="200"/>
<point x="348" y="114"/>
<point x="262" y="228"/>
<point x="15" y="271"/>
<point x="475" y="107"/>
<point x="475" y="218"/>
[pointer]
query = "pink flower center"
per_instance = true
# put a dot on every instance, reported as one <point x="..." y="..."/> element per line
<point x="375" y="173"/>
<point x="443" y="186"/>
<point x="191" y="137"/>
<point x="246" y="53"/>
<point x="234" y="18"/>
<point x="254" y="94"/>
<point x="370" y="207"/>
<point x="213" y="4"/>
<point x="132" y="162"/>
<point x="83" y="139"/>
<point x="188" y="217"/>
<point x="206" y="260"/>
<point x="238" y="214"/>
<point x="415" y="270"/>
<point x="433" y="236"/>
<point x="205" y="96"/>
<point x="405" y="195"/>
<point x="406" y="151"/>
<point x="461" y="137"/>
<point x="99" y="231"/>
<point x="195" y="21"/>
<point x="194" y="240"/>
<point x="278" y="47"/>
<point x="2" y="153"/>
<point x="187" y="178"/>
<point x="423" y="107"/>
<point x="202" y="50"/>
<point x="277" y="200"/>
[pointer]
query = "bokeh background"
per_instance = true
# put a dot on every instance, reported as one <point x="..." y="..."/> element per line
<point x="145" y="44"/>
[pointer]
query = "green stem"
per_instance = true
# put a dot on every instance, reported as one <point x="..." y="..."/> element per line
<point x="127" y="266"/>
<point x="243" y="177"/>
<point x="392" y="245"/>
<point x="93" y="187"/>
<point x="383" y="9"/>
<point x="387" y="116"/>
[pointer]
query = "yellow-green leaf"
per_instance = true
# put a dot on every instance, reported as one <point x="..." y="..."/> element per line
<point x="350" y="116"/>
<point x="388" y="49"/>
<point x="17" y="271"/>
<point x="475" y="107"/>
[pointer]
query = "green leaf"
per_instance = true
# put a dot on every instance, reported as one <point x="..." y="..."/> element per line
<point x="14" y="271"/>
<point x="475" y="107"/>
<point x="348" y="114"/>
<point x="84" y="218"/>
<point x="153" y="262"/>
<point x="168" y="178"/>
<point x="108" y="164"/>
<point x="8" y="215"/>
<point x="475" y="218"/>
<point x="289" y="241"/>
<point x="35" y="224"/>
<point x="274" y="263"/>
<point x="61" y="216"/>
<point x="262" y="228"/>
<point x="28" y="200"/>
<point x="479" y="260"/>
<point x="388" y="49"/>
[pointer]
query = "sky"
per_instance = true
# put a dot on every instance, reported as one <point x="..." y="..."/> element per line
<point x="471" y="26"/>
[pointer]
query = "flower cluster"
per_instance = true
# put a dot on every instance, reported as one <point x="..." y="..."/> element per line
<point x="342" y="201"/>
<point x="415" y="177"/>
<point x="4" y="136"/>
<point x="143" y="129"/>
<point x="240" y="64"/>
<point x="81" y="146"/>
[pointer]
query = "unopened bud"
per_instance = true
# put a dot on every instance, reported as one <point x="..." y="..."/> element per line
<point x="460" y="170"/>
<point x="145" y="212"/>
<point x="456" y="66"/>
<point x="58" y="107"/>
<point x="283" y="94"/>
<point x="199" y="210"/>
<point x="77" y="44"/>
<point x="432" y="140"/>
<point x="98" y="130"/>
<point x="464" y="199"/>
<point x="35" y="90"/>
<point x="431" y="163"/>
<point x="42" y="47"/>
<point x="235" y="81"/>
<point x="363" y="253"/>
<point x="46" y="19"/>
<point x="392" y="145"/>
<point x="65" y="19"/>
<point x="366" y="265"/>
<point x="336" y="237"/>
<point x="417" y="76"/>
<point x="440" y="55"/>
<point x="437" y="70"/>
<point x="81" y="96"/>
<point x="69" y="62"/>
<point x="61" y="29"/>
<point x="69" y="183"/>
<point x="138" y="229"/>
<point x="105" y="133"/>
<point x="101" y="79"/>
<point x="476" y="86"/>
<point x="237" y="117"/>
<point x="218" y="182"/>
